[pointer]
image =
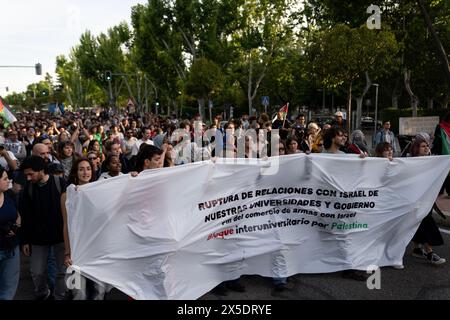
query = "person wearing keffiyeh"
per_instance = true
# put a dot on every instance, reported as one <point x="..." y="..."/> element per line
<point x="358" y="143"/>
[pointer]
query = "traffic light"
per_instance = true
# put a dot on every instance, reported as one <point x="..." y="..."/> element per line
<point x="44" y="93"/>
<point x="7" y="89"/>
<point x="38" y="68"/>
<point x="108" y="75"/>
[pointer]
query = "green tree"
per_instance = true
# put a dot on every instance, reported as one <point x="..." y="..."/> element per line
<point x="107" y="52"/>
<point x="157" y="50"/>
<point x="265" y="32"/>
<point x="204" y="82"/>
<point x="340" y="56"/>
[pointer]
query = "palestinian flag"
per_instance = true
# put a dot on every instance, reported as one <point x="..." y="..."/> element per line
<point x="445" y="134"/>
<point x="6" y="113"/>
<point x="284" y="111"/>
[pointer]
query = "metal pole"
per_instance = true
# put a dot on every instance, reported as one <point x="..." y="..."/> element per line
<point x="139" y="102"/>
<point x="376" y="114"/>
<point x="146" y="95"/>
<point x="210" y="115"/>
<point x="17" y="66"/>
<point x="323" y="100"/>
<point x="110" y="94"/>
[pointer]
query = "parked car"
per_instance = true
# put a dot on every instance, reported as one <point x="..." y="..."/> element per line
<point x="367" y="122"/>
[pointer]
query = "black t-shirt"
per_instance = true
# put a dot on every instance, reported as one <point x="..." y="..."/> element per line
<point x="40" y="207"/>
<point x="8" y="216"/>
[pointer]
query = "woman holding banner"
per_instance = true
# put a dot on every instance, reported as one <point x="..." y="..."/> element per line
<point x="81" y="174"/>
<point x="428" y="234"/>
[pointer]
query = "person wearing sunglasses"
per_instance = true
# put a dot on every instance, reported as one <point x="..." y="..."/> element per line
<point x="94" y="158"/>
<point x="317" y="146"/>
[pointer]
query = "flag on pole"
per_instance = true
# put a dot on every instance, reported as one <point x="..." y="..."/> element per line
<point x="284" y="111"/>
<point x="6" y="113"/>
<point x="445" y="134"/>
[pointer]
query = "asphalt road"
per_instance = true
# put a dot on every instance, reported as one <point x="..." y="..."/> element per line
<point x="419" y="280"/>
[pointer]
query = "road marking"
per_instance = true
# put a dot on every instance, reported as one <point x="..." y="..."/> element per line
<point x="445" y="231"/>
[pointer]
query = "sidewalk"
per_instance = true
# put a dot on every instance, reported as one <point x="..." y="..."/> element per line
<point x="443" y="203"/>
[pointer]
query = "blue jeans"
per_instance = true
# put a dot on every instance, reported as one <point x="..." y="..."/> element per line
<point x="39" y="270"/>
<point x="9" y="273"/>
<point x="279" y="281"/>
<point x="51" y="268"/>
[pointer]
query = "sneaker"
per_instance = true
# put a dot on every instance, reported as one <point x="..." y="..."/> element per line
<point x="433" y="258"/>
<point x="357" y="275"/>
<point x="399" y="267"/>
<point x="47" y="296"/>
<point x="419" y="253"/>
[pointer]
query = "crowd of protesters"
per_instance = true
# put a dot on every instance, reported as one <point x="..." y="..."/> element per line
<point x="41" y="154"/>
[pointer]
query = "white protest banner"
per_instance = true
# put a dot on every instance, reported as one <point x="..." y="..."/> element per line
<point x="176" y="233"/>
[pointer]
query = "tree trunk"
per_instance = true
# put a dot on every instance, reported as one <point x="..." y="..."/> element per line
<point x="442" y="55"/>
<point x="430" y="103"/>
<point x="445" y="102"/>
<point x="414" y="98"/>
<point x="349" y="108"/>
<point x="359" y="103"/>
<point x="360" y="99"/>
<point x="175" y="106"/>
<point x="249" y="87"/>
<point x="394" y="101"/>
<point x="396" y="94"/>
<point x="201" y="107"/>
<point x="169" y="101"/>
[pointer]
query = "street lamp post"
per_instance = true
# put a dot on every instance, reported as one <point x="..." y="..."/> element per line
<point x="37" y="67"/>
<point x="376" y="85"/>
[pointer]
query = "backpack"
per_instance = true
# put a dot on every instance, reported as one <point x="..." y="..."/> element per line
<point x="57" y="183"/>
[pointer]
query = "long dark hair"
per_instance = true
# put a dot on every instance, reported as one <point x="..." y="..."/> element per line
<point x="61" y="147"/>
<point x="415" y="146"/>
<point x="382" y="147"/>
<point x="73" y="176"/>
<point x="1" y="172"/>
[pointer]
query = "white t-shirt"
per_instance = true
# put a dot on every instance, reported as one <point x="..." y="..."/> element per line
<point x="4" y="163"/>
<point x="129" y="144"/>
<point x="106" y="175"/>
<point x="138" y="144"/>
<point x="387" y="137"/>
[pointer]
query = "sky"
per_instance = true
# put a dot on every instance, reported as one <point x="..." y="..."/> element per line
<point x="38" y="31"/>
